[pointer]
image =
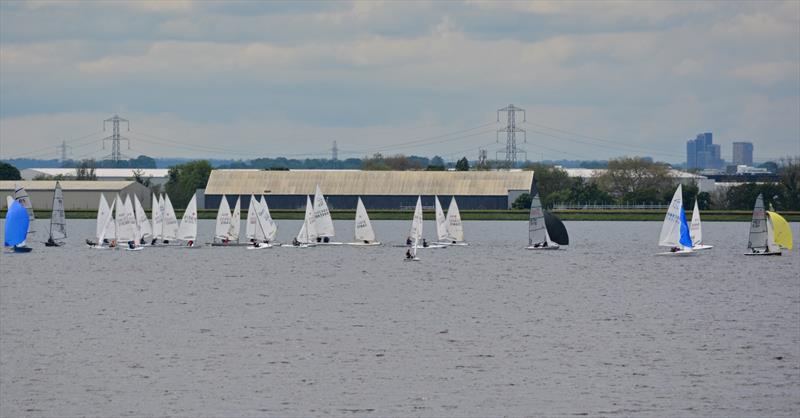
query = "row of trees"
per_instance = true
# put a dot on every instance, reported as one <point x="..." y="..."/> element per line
<point x="639" y="180"/>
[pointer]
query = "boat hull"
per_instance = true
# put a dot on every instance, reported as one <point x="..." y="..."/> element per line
<point x="548" y="248"/>
<point x="364" y="244"/>
<point x="260" y="246"/>
<point x="702" y="247"/>
<point x="22" y="250"/>
<point x="765" y="253"/>
<point x="453" y="244"/>
<point x="682" y="253"/>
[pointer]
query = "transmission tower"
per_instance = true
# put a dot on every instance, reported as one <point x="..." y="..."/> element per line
<point x="115" y="138"/>
<point x="481" y="157"/>
<point x="64" y="148"/>
<point x="511" y="130"/>
<point x="335" y="152"/>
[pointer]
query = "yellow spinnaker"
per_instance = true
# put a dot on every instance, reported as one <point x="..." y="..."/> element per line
<point x="783" y="234"/>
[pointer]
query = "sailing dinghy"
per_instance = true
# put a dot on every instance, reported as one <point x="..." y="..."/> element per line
<point x="260" y="229"/>
<point x="105" y="224"/>
<point x="307" y="237"/>
<point x="157" y="212"/>
<point x="769" y="232"/>
<point x="143" y="226"/>
<point x="58" y="221"/>
<point x="127" y="232"/>
<point x="415" y="234"/>
<point x="538" y="238"/>
<point x="675" y="231"/>
<point x="187" y="231"/>
<point x="323" y="220"/>
<point x="696" y="230"/>
<point x="170" y="227"/>
<point x="364" y="234"/>
<point x="16" y="228"/>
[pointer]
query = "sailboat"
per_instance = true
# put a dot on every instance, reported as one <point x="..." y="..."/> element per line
<point x="16" y="228"/>
<point x="157" y="211"/>
<point x="21" y="196"/>
<point x="127" y="232"/>
<point x="170" y="228"/>
<point x="188" y="229"/>
<point x="142" y="223"/>
<point x="236" y="221"/>
<point x="538" y="237"/>
<point x="105" y="223"/>
<point x="260" y="229"/>
<point x="223" y="224"/>
<point x="323" y="220"/>
<point x="449" y="229"/>
<point x="364" y="234"/>
<point x="307" y="237"/>
<point x="696" y="230"/>
<point x="58" y="221"/>
<point x="769" y="232"/>
<point x="675" y="231"/>
<point x="415" y="234"/>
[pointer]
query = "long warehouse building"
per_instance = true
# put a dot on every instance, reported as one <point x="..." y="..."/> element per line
<point x="377" y="189"/>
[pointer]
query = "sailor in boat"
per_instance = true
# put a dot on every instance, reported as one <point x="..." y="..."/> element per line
<point x="112" y="244"/>
<point x="131" y="244"/>
<point x="90" y="243"/>
<point x="408" y="253"/>
<point x="366" y="241"/>
<point x="51" y="243"/>
<point x="295" y="242"/>
<point x="153" y="242"/>
<point x="190" y="243"/>
<point x="408" y="241"/>
<point x="166" y="241"/>
<point x="142" y="241"/>
<point x="326" y="239"/>
<point x="424" y="243"/>
<point x="674" y="249"/>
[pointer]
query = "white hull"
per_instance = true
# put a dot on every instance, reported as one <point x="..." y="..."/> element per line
<point x="681" y="253"/>
<point x="453" y="244"/>
<point x="298" y="246"/>
<point x="134" y="248"/>
<point x="702" y="247"/>
<point x="329" y="243"/>
<point x="549" y="247"/>
<point x="765" y="253"/>
<point x="363" y="244"/>
<point x="411" y="259"/>
<point x="260" y="246"/>
<point x="431" y="246"/>
<point x="230" y="244"/>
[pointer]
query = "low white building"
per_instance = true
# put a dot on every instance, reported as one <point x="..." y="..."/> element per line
<point x="77" y="194"/>
<point x="158" y="176"/>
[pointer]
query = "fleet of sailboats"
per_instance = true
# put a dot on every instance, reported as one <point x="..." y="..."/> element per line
<point x="125" y="221"/>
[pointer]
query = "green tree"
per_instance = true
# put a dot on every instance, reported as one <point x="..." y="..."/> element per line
<point x="185" y="179"/>
<point x="635" y="178"/>
<point x="462" y="164"/>
<point x="85" y="170"/>
<point x="376" y="162"/>
<point x="138" y="175"/>
<point x="523" y="201"/>
<point x="143" y="161"/>
<point x="789" y="173"/>
<point x="771" y="166"/>
<point x="9" y="172"/>
<point x="549" y="179"/>
<point x="743" y="196"/>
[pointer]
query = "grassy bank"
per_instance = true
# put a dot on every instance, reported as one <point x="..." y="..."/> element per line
<point x="475" y="215"/>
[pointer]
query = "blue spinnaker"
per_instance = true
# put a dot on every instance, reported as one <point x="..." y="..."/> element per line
<point x="16" y="225"/>
<point x="686" y="238"/>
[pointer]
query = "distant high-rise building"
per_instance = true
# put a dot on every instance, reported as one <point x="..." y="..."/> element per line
<point x="702" y="153"/>
<point x="743" y="153"/>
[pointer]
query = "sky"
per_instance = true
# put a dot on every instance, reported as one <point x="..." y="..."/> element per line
<point x="239" y="80"/>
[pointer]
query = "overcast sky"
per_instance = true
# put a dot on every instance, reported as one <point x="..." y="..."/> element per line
<point x="241" y="80"/>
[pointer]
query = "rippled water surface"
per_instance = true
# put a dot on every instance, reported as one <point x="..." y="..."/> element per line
<point x="602" y="328"/>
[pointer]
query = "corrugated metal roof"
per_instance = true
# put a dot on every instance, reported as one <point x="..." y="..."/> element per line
<point x="338" y="182"/>
<point x="104" y="172"/>
<point x="67" y="185"/>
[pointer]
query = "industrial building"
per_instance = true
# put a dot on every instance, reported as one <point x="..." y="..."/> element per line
<point x="377" y="189"/>
<point x="77" y="194"/>
<point x="157" y="176"/>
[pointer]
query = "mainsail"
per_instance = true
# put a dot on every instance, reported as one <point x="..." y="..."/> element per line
<point x="417" y="222"/>
<point x="454" y="227"/>
<point x="126" y="221"/>
<point x="322" y="216"/>
<point x="537" y="230"/>
<point x="58" y="221"/>
<point x="695" y="229"/>
<point x="441" y="221"/>
<point x="157" y="212"/>
<point x="170" y="221"/>
<point x="103" y="219"/>
<point x="252" y="225"/>
<point x="268" y="228"/>
<point x="236" y="220"/>
<point x="675" y="230"/>
<point x="758" y="227"/>
<point x="188" y="229"/>
<point x="142" y="223"/>
<point x="223" y="226"/>
<point x="363" y="228"/>
<point x="308" y="232"/>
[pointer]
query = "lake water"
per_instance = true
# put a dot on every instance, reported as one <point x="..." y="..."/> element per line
<point x="602" y="328"/>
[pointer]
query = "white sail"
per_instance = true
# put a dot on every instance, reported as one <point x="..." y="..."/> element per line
<point x="759" y="236"/>
<point x="268" y="230"/>
<point x="454" y="227"/>
<point x="236" y="220"/>
<point x="170" y="221"/>
<point x="323" y="220"/>
<point x="111" y="228"/>
<point x="223" y="225"/>
<point x="21" y="196"/>
<point x="416" y="222"/>
<point x="157" y="212"/>
<point x="671" y="228"/>
<point x="441" y="221"/>
<point x="537" y="230"/>
<point x="142" y="223"/>
<point x="103" y="218"/>
<point x="126" y="221"/>
<point x="58" y="221"/>
<point x="188" y="229"/>
<point x="363" y="228"/>
<point x="695" y="229"/>
<point x="308" y="232"/>
<point x="252" y="225"/>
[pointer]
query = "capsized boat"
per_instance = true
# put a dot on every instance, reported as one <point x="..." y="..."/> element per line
<point x="696" y="230"/>
<point x="16" y="228"/>
<point x="675" y="230"/>
<point x="58" y="220"/>
<point x="538" y="237"/>
<point x="769" y="232"/>
<point x="364" y="234"/>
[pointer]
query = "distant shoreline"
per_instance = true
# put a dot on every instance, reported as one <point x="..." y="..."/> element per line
<point x="473" y="215"/>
